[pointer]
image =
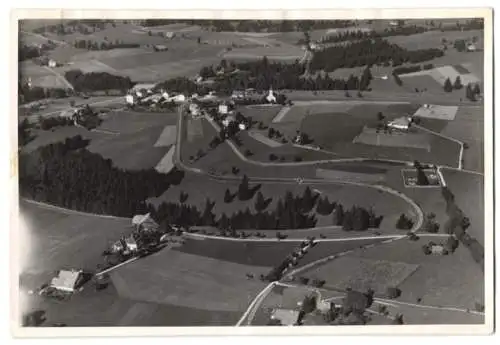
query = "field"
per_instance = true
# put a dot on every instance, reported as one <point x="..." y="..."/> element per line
<point x="170" y="277"/>
<point x="434" y="39"/>
<point x="370" y="136"/>
<point x="264" y="254"/>
<point x="130" y="132"/>
<point x="281" y="53"/>
<point x="361" y="274"/>
<point x="469" y="196"/>
<point x="452" y="280"/>
<point x="60" y="239"/>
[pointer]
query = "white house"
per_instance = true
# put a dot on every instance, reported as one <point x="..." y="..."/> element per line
<point x="471" y="48"/>
<point x="67" y="280"/>
<point x="130" y="99"/>
<point x="401" y="123"/>
<point x="194" y="109"/>
<point x="270" y="97"/>
<point x="223" y="109"/>
<point x="131" y="244"/>
<point x="52" y="63"/>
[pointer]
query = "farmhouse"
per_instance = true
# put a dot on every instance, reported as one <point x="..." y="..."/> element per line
<point x="471" y="48"/>
<point x="52" y="63"/>
<point x="270" y="97"/>
<point x="401" y="123"/>
<point x="67" y="281"/>
<point x="144" y="222"/>
<point x="287" y="317"/>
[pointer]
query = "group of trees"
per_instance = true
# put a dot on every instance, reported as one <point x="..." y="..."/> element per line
<point x="24" y="135"/>
<point x="97" y="81"/>
<point x="27" y="52"/>
<point x="411" y="69"/>
<point x="263" y="74"/>
<point x="360" y="35"/>
<point x="104" y="45"/>
<point x="82" y="26"/>
<point x="404" y="222"/>
<point x="471" y="92"/>
<point x="457" y="224"/>
<point x="35" y="93"/>
<point x="356" y="218"/>
<point x="66" y="174"/>
<point x="374" y="51"/>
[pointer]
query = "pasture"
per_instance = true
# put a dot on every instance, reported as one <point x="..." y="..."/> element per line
<point x="469" y="196"/>
<point x="468" y="127"/>
<point x="130" y="132"/>
<point x="362" y="274"/>
<point x="434" y="39"/>
<point x="58" y="239"/>
<point x="371" y="136"/>
<point x="174" y="277"/>
<point x="452" y="280"/>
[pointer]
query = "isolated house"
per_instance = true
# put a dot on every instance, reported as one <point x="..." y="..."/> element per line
<point x="401" y="123"/>
<point x="52" y="63"/>
<point x="227" y="120"/>
<point x="270" y="97"/>
<point x="67" y="281"/>
<point x="223" y="109"/>
<point x="471" y="48"/>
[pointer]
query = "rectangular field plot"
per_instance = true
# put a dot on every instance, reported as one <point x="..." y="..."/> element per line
<point x="173" y="277"/>
<point x="332" y="174"/>
<point x="439" y="112"/>
<point x="360" y="274"/>
<point x="410" y="178"/>
<point x="194" y="129"/>
<point x="369" y="136"/>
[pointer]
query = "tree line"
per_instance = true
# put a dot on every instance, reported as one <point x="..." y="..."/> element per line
<point x="28" y="52"/>
<point x="369" y="52"/>
<point x="104" y="45"/>
<point x="28" y="94"/>
<point x="412" y="69"/>
<point x="256" y="25"/>
<point x="360" y="35"/>
<point x="66" y="174"/>
<point x="97" y="81"/>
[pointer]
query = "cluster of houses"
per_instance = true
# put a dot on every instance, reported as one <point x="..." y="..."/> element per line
<point x="144" y="94"/>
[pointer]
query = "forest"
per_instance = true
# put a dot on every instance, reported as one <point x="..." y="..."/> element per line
<point x="369" y="52"/>
<point x="104" y="45"/>
<point x="97" y="81"/>
<point x="66" y="174"/>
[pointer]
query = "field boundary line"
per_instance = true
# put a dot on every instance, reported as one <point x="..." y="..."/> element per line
<point x="60" y="77"/>
<point x="265" y="291"/>
<point x="70" y="211"/>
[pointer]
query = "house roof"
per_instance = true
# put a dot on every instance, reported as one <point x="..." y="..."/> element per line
<point x="400" y="122"/>
<point x="66" y="280"/>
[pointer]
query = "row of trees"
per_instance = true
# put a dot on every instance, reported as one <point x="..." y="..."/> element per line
<point x="256" y="25"/>
<point x="35" y="93"/>
<point x="369" y="52"/>
<point x="104" y="45"/>
<point x="66" y="174"/>
<point x="412" y="68"/>
<point x="27" y="52"/>
<point x="359" y="35"/>
<point x="97" y="81"/>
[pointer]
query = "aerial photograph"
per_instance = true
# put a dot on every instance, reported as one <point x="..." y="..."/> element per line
<point x="189" y="172"/>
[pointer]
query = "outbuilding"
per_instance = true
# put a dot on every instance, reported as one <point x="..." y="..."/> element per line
<point x="67" y="281"/>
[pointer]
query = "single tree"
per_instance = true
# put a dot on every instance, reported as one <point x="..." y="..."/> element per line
<point x="458" y="83"/>
<point x="260" y="203"/>
<point x="448" y="87"/>
<point x="228" y="197"/>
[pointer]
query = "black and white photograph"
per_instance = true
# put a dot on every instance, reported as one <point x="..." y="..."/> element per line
<point x="186" y="171"/>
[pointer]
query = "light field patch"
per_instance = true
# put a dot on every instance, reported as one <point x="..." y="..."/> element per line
<point x="362" y="274"/>
<point x="439" y="112"/>
<point x="167" y="137"/>
<point x="369" y="136"/>
<point x="166" y="163"/>
<point x="440" y="74"/>
<point x="264" y="140"/>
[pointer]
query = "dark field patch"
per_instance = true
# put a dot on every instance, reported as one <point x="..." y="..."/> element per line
<point x="265" y="253"/>
<point x="461" y="69"/>
<point x="355" y="168"/>
<point x="435" y="125"/>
